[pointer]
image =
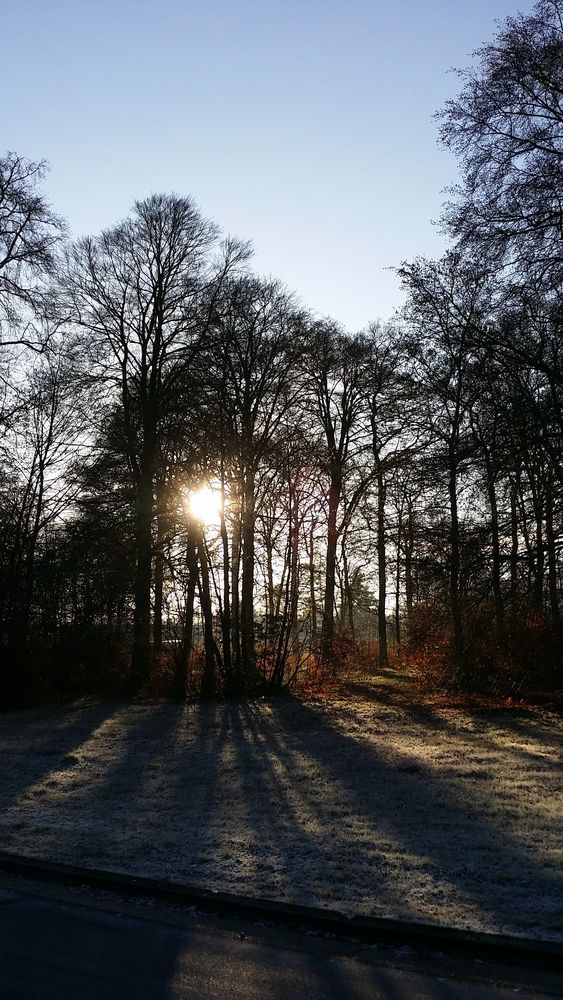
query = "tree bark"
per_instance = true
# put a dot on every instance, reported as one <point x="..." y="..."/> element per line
<point x="550" y="539"/>
<point x="208" y="677"/>
<point x="184" y="655"/>
<point x="495" y="544"/>
<point x="381" y="569"/>
<point x="141" y="659"/>
<point x="409" y="583"/>
<point x="398" y="583"/>
<point x="330" y="572"/>
<point x="237" y="682"/>
<point x="455" y="564"/>
<point x="312" y="589"/>
<point x="226" y="623"/>
<point x="513" y="551"/>
<point x="248" y="649"/>
<point x="162" y="526"/>
<point x="539" y="567"/>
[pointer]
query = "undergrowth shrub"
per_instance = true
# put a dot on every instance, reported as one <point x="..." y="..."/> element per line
<point x="519" y="659"/>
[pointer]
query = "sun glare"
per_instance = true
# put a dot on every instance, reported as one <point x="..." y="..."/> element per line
<point x="205" y="505"/>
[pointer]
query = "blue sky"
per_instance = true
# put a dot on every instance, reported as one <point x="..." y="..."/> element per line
<point x="303" y="125"/>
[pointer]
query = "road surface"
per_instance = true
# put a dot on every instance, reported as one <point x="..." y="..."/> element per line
<point x="58" y="945"/>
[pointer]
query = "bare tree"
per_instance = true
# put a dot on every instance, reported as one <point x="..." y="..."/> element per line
<point x="394" y="434"/>
<point x="334" y="381"/>
<point x="144" y="291"/>
<point x="30" y="234"/>
<point x="250" y="364"/>
<point x="40" y="447"/>
<point x="506" y="128"/>
<point x="447" y="308"/>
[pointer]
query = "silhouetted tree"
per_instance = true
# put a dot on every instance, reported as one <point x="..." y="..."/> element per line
<point x="30" y="234"/>
<point x="389" y="408"/>
<point x="334" y="385"/>
<point x="506" y="129"/>
<point x="447" y="307"/>
<point x="39" y="492"/>
<point x="250" y="363"/>
<point x="143" y="291"/>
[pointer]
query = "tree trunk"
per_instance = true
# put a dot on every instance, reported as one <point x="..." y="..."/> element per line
<point x="286" y="623"/>
<point x="455" y="566"/>
<point x="495" y="542"/>
<point x="347" y="614"/>
<point x="269" y="553"/>
<point x="409" y="583"/>
<point x="513" y="551"/>
<point x="141" y="659"/>
<point x="247" y="590"/>
<point x="540" y="556"/>
<point x="226" y="623"/>
<point x="330" y="572"/>
<point x="381" y="569"/>
<point x="294" y="559"/>
<point x="312" y="589"/>
<point x="237" y="683"/>
<point x="184" y="655"/>
<point x="208" y="676"/>
<point x="162" y="527"/>
<point x="550" y="539"/>
<point x="398" y="583"/>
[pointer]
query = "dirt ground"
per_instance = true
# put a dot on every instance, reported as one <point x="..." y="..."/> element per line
<point x="361" y="803"/>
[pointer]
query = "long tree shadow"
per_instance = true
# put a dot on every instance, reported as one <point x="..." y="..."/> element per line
<point x="286" y="800"/>
<point x="279" y="801"/>
<point x="278" y="846"/>
<point x="34" y="743"/>
<point x="126" y="806"/>
<point x="433" y="822"/>
<point x="522" y="723"/>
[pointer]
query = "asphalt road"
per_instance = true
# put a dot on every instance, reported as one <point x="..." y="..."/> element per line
<point x="80" y="947"/>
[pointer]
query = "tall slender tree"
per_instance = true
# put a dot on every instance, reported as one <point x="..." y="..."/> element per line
<point x="143" y="292"/>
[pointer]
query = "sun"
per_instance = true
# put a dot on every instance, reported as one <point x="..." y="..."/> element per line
<point x="205" y="505"/>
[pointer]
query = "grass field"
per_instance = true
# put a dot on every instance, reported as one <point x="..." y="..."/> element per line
<point x="436" y="814"/>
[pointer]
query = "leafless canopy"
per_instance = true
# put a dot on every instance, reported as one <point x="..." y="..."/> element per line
<point x="506" y="128"/>
<point x="30" y="234"/>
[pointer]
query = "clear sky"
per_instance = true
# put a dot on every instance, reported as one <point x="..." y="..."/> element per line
<point x="303" y="125"/>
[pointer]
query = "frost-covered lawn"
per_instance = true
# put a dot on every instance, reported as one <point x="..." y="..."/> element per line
<point x="436" y="815"/>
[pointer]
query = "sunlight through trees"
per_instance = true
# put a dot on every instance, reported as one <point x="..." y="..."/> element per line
<point x="207" y="488"/>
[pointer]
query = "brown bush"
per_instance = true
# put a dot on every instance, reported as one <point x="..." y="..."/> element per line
<point x="518" y="660"/>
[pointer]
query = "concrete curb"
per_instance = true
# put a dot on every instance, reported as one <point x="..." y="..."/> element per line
<point x="495" y="948"/>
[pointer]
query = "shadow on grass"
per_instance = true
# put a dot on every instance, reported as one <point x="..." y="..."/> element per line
<point x="429" y="818"/>
<point x="279" y="800"/>
<point x="34" y="742"/>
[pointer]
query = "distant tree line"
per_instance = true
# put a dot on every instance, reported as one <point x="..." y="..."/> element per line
<point x="396" y="491"/>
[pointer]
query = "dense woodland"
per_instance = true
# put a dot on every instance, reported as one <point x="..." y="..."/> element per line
<point x="395" y="492"/>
